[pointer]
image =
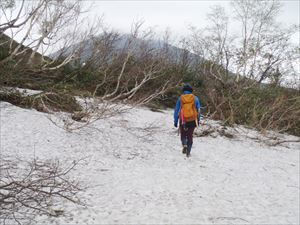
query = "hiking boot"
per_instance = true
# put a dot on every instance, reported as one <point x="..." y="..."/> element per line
<point x="184" y="149"/>
<point x="188" y="155"/>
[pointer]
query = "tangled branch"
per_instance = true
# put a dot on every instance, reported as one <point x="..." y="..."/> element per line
<point x="31" y="188"/>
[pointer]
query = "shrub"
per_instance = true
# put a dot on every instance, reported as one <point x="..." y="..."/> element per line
<point x="44" y="102"/>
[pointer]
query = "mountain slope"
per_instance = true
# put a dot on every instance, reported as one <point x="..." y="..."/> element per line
<point x="6" y="43"/>
<point x="137" y="174"/>
<point x="118" y="44"/>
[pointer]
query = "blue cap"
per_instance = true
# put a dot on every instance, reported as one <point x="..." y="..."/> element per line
<point x="187" y="87"/>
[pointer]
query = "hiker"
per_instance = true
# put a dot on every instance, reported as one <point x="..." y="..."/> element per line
<point x="187" y="109"/>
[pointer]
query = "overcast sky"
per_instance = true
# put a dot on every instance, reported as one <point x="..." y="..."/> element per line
<point x="175" y="15"/>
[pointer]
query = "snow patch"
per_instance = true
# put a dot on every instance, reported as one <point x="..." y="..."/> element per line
<point x="23" y="91"/>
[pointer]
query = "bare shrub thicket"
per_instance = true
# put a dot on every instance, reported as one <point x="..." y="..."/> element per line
<point x="249" y="78"/>
<point x="127" y="67"/>
<point x="114" y="68"/>
<point x="35" y="188"/>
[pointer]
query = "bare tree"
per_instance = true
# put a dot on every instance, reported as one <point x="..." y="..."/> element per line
<point x="265" y="44"/>
<point x="123" y="65"/>
<point x="147" y="64"/>
<point x="44" y="25"/>
<point x="13" y="16"/>
<point x="215" y="45"/>
<point x="262" y="48"/>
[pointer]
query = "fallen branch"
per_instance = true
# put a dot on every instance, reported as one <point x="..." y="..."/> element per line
<point x="33" y="188"/>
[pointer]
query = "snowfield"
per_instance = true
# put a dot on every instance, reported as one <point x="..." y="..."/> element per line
<point x="135" y="172"/>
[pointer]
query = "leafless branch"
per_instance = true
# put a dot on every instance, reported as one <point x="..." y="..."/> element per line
<point x="31" y="188"/>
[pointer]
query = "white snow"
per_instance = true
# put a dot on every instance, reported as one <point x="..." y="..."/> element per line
<point x="139" y="176"/>
<point x="24" y="92"/>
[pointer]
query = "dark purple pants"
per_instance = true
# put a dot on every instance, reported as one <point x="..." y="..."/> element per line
<point x="187" y="135"/>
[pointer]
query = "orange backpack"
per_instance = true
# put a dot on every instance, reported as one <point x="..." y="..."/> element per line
<point x="188" y="110"/>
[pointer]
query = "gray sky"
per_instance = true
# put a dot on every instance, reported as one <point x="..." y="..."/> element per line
<point x="175" y="15"/>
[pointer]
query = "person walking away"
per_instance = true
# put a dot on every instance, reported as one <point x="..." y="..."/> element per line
<point x="187" y="111"/>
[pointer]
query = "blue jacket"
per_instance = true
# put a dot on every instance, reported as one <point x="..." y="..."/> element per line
<point x="177" y="107"/>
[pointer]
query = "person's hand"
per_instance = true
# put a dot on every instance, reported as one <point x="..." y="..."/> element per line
<point x="175" y="124"/>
